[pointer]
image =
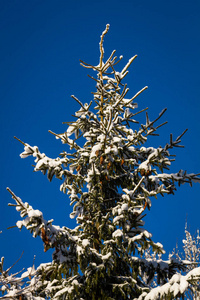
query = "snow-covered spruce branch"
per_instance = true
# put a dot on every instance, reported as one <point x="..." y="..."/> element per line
<point x="176" y="287"/>
<point x="14" y="285"/>
<point x="44" y="163"/>
<point x="151" y="267"/>
<point x="36" y="284"/>
<point x="52" y="236"/>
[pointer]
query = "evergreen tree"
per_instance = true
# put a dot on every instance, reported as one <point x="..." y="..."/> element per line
<point x="190" y="253"/>
<point x="110" y="181"/>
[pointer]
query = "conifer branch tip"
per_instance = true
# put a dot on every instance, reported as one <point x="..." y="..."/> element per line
<point x="20" y="141"/>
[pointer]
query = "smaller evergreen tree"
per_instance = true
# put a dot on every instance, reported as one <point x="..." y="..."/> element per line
<point x="191" y="254"/>
<point x="110" y="181"/>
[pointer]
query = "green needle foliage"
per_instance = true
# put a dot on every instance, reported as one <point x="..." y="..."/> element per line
<point x="110" y="181"/>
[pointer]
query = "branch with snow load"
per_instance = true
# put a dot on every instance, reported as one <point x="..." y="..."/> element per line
<point x="149" y="267"/>
<point x="53" y="236"/>
<point x="176" y="287"/>
<point x="44" y="163"/>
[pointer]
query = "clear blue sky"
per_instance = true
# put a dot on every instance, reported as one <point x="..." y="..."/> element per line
<point x="41" y="44"/>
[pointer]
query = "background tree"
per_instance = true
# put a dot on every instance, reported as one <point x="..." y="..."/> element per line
<point x="110" y="177"/>
<point x="190" y="253"/>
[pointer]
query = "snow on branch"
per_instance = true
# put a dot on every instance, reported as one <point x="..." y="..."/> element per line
<point x="101" y="45"/>
<point x="15" y="284"/>
<point x="52" y="236"/>
<point x="151" y="266"/>
<point x="44" y="163"/>
<point x="176" y="287"/>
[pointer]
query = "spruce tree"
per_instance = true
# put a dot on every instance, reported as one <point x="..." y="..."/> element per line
<point x="110" y="180"/>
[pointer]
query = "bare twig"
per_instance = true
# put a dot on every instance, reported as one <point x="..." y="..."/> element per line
<point x="20" y="141"/>
<point x="139" y="183"/>
<point x="17" y="199"/>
